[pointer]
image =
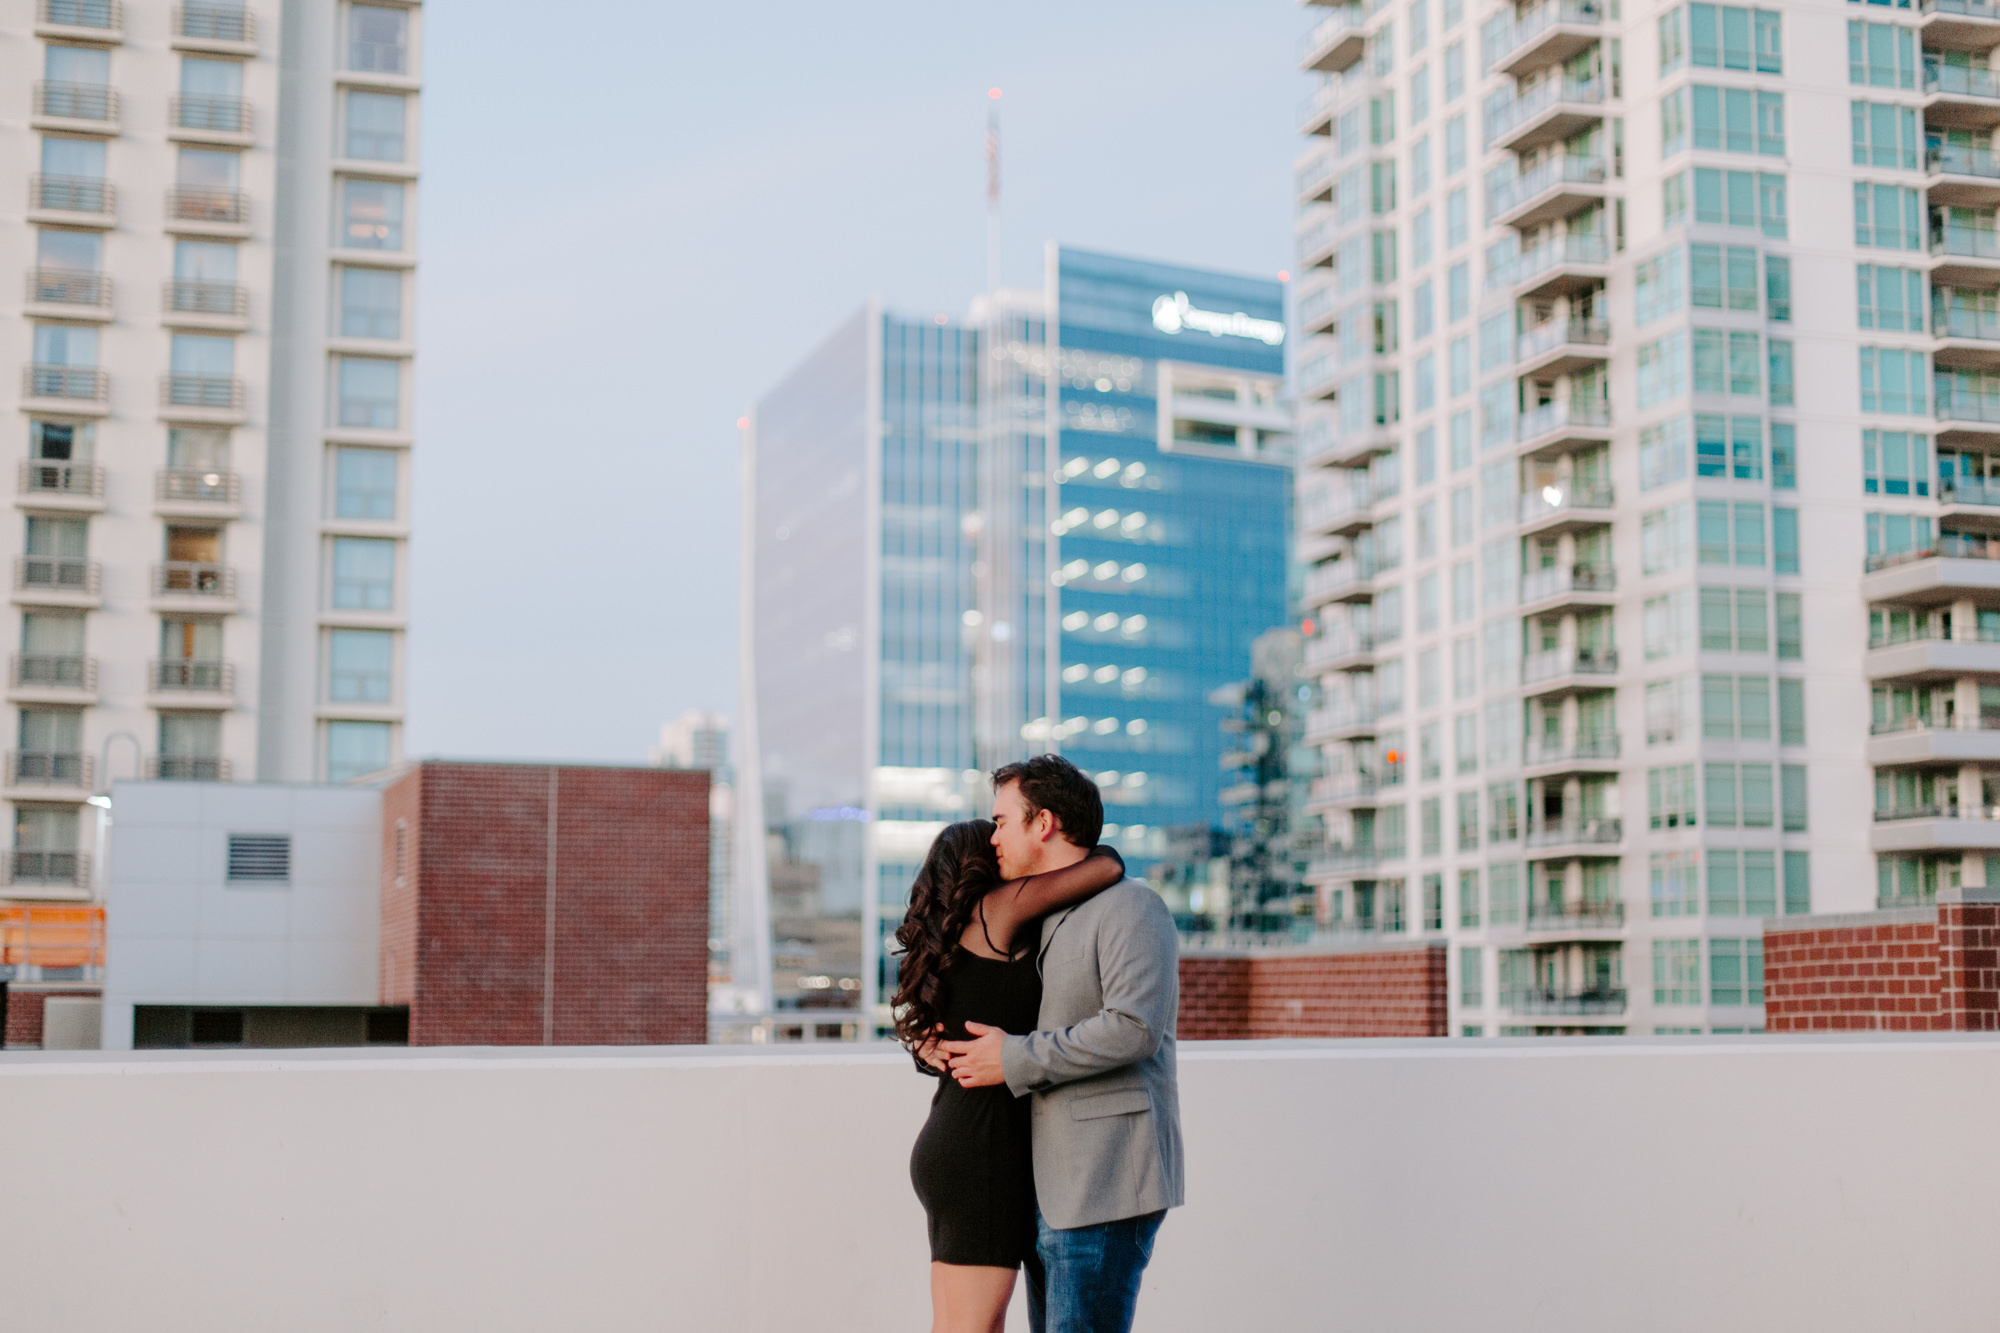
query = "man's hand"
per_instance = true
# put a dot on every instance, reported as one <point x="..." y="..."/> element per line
<point x="976" y="1063"/>
<point x="931" y="1055"/>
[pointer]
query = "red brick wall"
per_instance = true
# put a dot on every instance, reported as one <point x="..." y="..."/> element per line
<point x="1969" y="965"/>
<point x="1373" y="992"/>
<point x="466" y="938"/>
<point x="24" y="1014"/>
<point x="1910" y="970"/>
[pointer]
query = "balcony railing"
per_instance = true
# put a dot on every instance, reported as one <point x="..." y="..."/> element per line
<point x="1320" y="303"/>
<point x="187" y="203"/>
<point x="83" y="383"/>
<point x="1338" y="577"/>
<point x="1969" y="491"/>
<point x="1967" y="242"/>
<point x="1321" y="102"/>
<point x="1318" y="238"/>
<point x="1583" y="914"/>
<point x="1959" y="160"/>
<point x="52" y="671"/>
<point x="1566" y="170"/>
<point x="102" y="15"/>
<point x="65" y="868"/>
<point x="1314" y="175"/>
<point x="1530" y="264"/>
<point x="1978" y="9"/>
<point x="219" y="115"/>
<point x="215" y="392"/>
<point x="191" y="676"/>
<point x="77" y="101"/>
<point x="1540" y="19"/>
<point x="48" y="768"/>
<point x="68" y="286"/>
<point x="1539" y="667"/>
<point x="1346" y="860"/>
<point x="45" y="478"/>
<point x="1958" y="403"/>
<point x="1577" y="832"/>
<point x="1343" y="18"/>
<point x="1342" y="718"/>
<point x="1896" y="726"/>
<point x="1547" y="1000"/>
<point x="1949" y="545"/>
<point x="204" y="298"/>
<point x="1938" y="810"/>
<point x="73" y="194"/>
<point x="196" y="486"/>
<point x="1949" y="320"/>
<point x="194" y="578"/>
<point x="377" y="57"/>
<point x="1552" y="500"/>
<point x="56" y="573"/>
<point x="1545" y="750"/>
<point x="1561" y="333"/>
<point x="187" y="768"/>
<point x="1959" y="81"/>
<point x="1540" y="584"/>
<point x="1503" y="117"/>
<point x="1335" y="648"/>
<point x="1565" y="415"/>
<point x="215" y="23"/>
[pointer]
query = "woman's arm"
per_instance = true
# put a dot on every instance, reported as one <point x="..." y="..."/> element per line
<point x="1019" y="902"/>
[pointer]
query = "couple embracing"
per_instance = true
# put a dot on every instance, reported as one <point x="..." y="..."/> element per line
<point x="1040" y="986"/>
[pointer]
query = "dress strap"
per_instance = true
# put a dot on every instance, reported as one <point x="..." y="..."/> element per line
<point x="988" y="934"/>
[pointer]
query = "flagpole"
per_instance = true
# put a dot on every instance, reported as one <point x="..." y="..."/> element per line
<point x="993" y="192"/>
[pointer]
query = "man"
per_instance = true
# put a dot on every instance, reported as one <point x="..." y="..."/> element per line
<point x="1106" y="1113"/>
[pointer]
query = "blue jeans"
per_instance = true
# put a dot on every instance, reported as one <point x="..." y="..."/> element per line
<point x="1089" y="1276"/>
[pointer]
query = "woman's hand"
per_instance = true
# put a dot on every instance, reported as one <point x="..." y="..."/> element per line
<point x="932" y="1054"/>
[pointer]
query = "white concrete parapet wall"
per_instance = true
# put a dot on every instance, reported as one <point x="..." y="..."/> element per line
<point x="1643" y="1184"/>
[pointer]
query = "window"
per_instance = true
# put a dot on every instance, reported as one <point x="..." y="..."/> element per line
<point x="359" y="666"/>
<point x="355" y="749"/>
<point x="1676" y="971"/>
<point x="1454" y="71"/>
<point x="1798" y="883"/>
<point x="1726" y="37"/>
<point x="1668" y="624"/>
<point x="364" y="574"/>
<point x="1504" y="893"/>
<point x="1422" y="311"/>
<point x="1673" y="882"/>
<point x="1663" y="539"/>
<point x="1674" y="199"/>
<point x="1734" y="620"/>
<point x="375" y="126"/>
<point x="1723" y="277"/>
<point x="1792" y="790"/>
<point x="1729" y="447"/>
<point x="1778" y="287"/>
<point x="1736" y="970"/>
<point x="1427" y="470"/>
<point x="1420" y="94"/>
<point x="260" y="858"/>
<point x="1742" y="883"/>
<point x="1465" y="744"/>
<point x="1669" y="710"/>
<point x="1662" y="370"/>
<point x="378" y="39"/>
<point x="1433" y="902"/>
<point x="371" y="303"/>
<point x="1504" y="812"/>
<point x="371" y="215"/>
<point x="1736" y="793"/>
<point x="1781" y="390"/>
<point x="1881" y="55"/>
<point x="1459" y="367"/>
<point x="1468" y="898"/>
<point x="1890" y="534"/>
<point x="1885" y="136"/>
<point x="1420" y="167"/>
<point x="1725" y="361"/>
<point x="1458" y="292"/>
<point x="1729" y="533"/>
<point x="1496" y="340"/>
<point x="1663" y="453"/>
<point x="1791" y="645"/>
<point x="1673" y="45"/>
<point x="1658" y="285"/>
<point x="1454" y="216"/>
<point x="1892" y="381"/>
<point x="190" y="747"/>
<point x="1890" y="298"/>
<point x="1886" y="217"/>
<point x="1468" y="821"/>
<point x="1740" y="199"/>
<point x="65" y="346"/>
<point x="1430" y="748"/>
<point x="78" y="163"/>
<point x="370" y="392"/>
<point x="1471" y="962"/>
<point x="1673" y="123"/>
<point x="1784" y="540"/>
<point x="1738" y="120"/>
<point x="1736" y="708"/>
<point x="1670" y="797"/>
<point x="1895" y="462"/>
<point x="1430" y="826"/>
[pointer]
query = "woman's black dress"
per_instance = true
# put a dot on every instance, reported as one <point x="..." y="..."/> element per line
<point x="972" y="1165"/>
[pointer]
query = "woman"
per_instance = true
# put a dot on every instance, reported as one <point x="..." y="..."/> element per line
<point x="968" y="954"/>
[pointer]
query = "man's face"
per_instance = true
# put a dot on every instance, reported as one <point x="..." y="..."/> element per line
<point x="1017" y="838"/>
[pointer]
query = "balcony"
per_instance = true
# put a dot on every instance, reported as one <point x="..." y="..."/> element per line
<point x="84" y="201"/>
<point x="197" y="493"/>
<point x="1555" y="189"/>
<point x="1590" y="1002"/>
<point x="51" y="678"/>
<point x="1314" y="181"/>
<point x="1343" y="652"/>
<point x="1583" y="916"/>
<point x="53" y="769"/>
<point x="212" y="119"/>
<point x="1960" y="97"/>
<point x="1353" y="791"/>
<point x="1970" y="504"/>
<point x="1967" y="329"/>
<point x="221" y="305"/>
<point x="68" y="384"/>
<point x="1574" y="837"/>
<point x="217" y="397"/>
<point x="91" y="20"/>
<point x="195" y="585"/>
<point x="1562" y="427"/>
<point x="1962" y="177"/>
<point x="1553" y="268"/>
<point x="231" y="29"/>
<point x="60" y="486"/>
<point x="1904" y="741"/>
<point x="1550" y="112"/>
<point x="1317" y="112"/>
<point x="1932" y="659"/>
<point x="1341" y="513"/>
<point x="1964" y="257"/>
<point x="52" y="580"/>
<point x="1939" y="828"/>
<point x="190" y="683"/>
<point x="1546" y="757"/>
<point x="1972" y="25"/>
<point x="1562" y="346"/>
<point x="1563" y="587"/>
<point x="1568" y="671"/>
<point x="67" y="293"/>
<point x="1317" y="243"/>
<point x="1341" y="581"/>
<point x="1352" y="862"/>
<point x="1555" y="509"/>
<point x="54" y="870"/>
<point x="1547" y="34"/>
<point x="187" y="768"/>
<point x="1322" y="445"/>
<point x="1335" y="723"/>
<point x="1335" y="43"/>
<point x="1951" y="567"/>
<point x="84" y="106"/>
<point x="1317" y="312"/>
<point x="220" y="212"/>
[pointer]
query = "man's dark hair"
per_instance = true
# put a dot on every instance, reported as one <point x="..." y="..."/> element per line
<point x="1052" y="783"/>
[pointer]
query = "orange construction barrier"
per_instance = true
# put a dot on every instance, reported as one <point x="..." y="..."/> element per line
<point x="51" y="936"/>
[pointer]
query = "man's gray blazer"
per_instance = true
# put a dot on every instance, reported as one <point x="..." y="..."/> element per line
<point x="1107" y="1113"/>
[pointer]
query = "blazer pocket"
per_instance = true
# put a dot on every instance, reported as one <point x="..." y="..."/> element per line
<point x="1111" y="1103"/>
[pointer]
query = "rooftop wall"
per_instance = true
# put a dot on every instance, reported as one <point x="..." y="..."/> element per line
<point x="1768" y="1182"/>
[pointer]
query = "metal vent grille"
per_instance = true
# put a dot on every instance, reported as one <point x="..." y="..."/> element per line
<point x="260" y="857"/>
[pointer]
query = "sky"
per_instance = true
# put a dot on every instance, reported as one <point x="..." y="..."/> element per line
<point x="632" y="227"/>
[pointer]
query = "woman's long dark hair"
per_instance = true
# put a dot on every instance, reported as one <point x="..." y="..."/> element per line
<point x="958" y="871"/>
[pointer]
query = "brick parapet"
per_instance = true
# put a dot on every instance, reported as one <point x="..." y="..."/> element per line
<point x="1369" y="991"/>
<point x="25" y="1011"/>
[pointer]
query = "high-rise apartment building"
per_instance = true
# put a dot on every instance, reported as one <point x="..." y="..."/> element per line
<point x="939" y="580"/>
<point x="212" y="212"/>
<point x="1648" y="404"/>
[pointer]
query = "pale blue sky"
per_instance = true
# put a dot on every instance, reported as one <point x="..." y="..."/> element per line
<point x="636" y="217"/>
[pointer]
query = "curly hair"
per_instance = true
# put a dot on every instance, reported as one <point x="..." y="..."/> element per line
<point x="958" y="871"/>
